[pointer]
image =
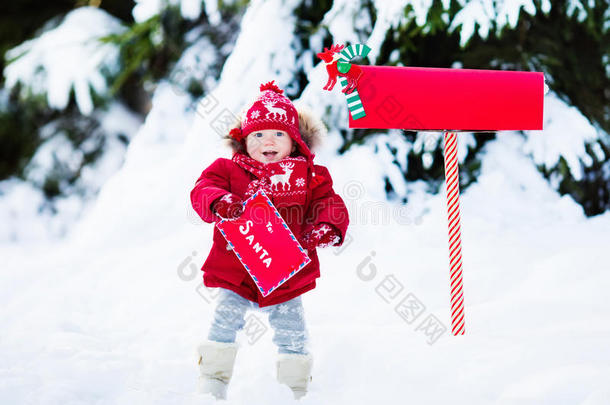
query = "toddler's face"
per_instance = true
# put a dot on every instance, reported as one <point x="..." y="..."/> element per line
<point x="269" y="145"/>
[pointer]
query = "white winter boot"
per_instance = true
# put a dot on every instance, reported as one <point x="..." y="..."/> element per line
<point x="216" y="360"/>
<point x="294" y="370"/>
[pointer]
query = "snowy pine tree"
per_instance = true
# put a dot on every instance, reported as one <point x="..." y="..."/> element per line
<point x="187" y="44"/>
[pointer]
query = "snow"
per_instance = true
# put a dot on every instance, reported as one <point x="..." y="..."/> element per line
<point x="481" y="12"/>
<point x="67" y="57"/>
<point x="189" y="9"/>
<point x="484" y="12"/>
<point x="211" y="10"/>
<point x="57" y="149"/>
<point x="107" y="315"/>
<point x="565" y="132"/>
<point x="145" y="9"/>
<point x="115" y="323"/>
<point x="475" y="12"/>
<point x="27" y="217"/>
<point x="576" y="7"/>
<point x="394" y="173"/>
<point x="388" y="15"/>
<point x="194" y="65"/>
<point x="343" y="19"/>
<point x="254" y="56"/>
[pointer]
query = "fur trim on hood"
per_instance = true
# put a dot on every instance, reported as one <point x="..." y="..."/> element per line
<point x="312" y="129"/>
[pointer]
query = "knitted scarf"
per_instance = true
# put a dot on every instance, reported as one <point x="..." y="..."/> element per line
<point x="284" y="182"/>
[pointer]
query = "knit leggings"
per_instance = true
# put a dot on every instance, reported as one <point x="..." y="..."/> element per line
<point x="287" y="320"/>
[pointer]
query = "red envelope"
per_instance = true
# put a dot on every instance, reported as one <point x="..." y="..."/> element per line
<point x="264" y="244"/>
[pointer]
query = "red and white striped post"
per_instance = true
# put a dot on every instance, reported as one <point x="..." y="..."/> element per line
<point x="452" y="185"/>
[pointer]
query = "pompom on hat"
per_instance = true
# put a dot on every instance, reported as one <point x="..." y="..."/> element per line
<point x="236" y="134"/>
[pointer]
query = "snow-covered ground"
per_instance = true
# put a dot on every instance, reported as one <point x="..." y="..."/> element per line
<point x="106" y="317"/>
<point x="112" y="313"/>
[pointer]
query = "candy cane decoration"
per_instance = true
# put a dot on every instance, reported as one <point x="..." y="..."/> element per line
<point x="348" y="53"/>
<point x="354" y="104"/>
<point x="452" y="184"/>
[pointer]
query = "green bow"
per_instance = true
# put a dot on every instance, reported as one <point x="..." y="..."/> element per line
<point x="343" y="67"/>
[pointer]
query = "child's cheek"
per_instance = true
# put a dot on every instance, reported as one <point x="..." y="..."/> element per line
<point x="251" y="145"/>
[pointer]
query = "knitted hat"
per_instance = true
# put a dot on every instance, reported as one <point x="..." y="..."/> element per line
<point x="272" y="110"/>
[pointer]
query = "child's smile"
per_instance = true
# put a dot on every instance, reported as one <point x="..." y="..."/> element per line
<point x="269" y="145"/>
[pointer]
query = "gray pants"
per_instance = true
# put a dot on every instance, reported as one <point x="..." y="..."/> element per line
<point x="287" y="320"/>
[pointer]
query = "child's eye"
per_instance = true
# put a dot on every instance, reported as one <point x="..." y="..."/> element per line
<point x="258" y="134"/>
<point x="280" y="134"/>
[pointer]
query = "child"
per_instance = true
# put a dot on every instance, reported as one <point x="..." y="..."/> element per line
<point x="271" y="139"/>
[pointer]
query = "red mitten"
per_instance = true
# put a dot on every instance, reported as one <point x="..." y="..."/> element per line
<point x="229" y="206"/>
<point x="322" y="235"/>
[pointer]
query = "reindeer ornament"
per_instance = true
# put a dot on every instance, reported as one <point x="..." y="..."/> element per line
<point x="336" y="66"/>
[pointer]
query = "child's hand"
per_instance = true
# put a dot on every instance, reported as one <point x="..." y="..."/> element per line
<point x="229" y="206"/>
<point x="322" y="235"/>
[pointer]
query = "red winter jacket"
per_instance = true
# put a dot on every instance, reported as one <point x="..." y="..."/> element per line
<point x="222" y="268"/>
